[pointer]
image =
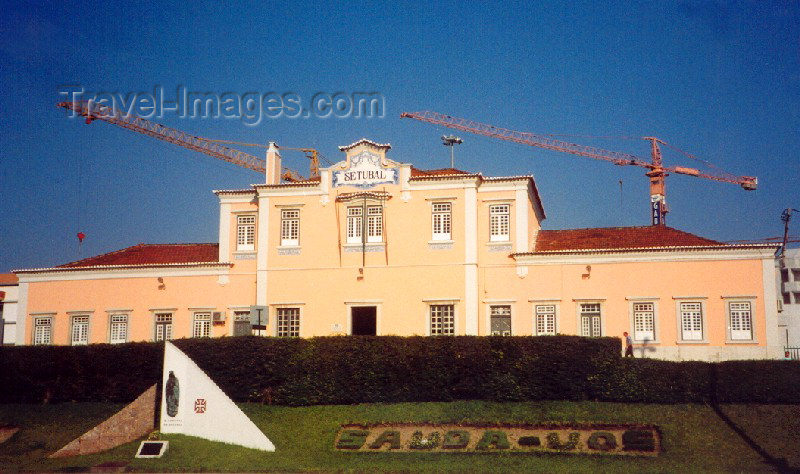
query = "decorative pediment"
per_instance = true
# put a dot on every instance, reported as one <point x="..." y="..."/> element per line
<point x="366" y="166"/>
<point x="364" y="141"/>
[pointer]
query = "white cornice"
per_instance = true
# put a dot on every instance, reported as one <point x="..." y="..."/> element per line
<point x="490" y="186"/>
<point x="284" y="191"/>
<point x="459" y="183"/>
<point x="237" y="198"/>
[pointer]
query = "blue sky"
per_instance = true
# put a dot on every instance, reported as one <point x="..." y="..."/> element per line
<point x="718" y="80"/>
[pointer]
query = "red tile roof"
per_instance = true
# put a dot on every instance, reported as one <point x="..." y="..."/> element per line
<point x="617" y="238"/>
<point x="8" y="279"/>
<point x="149" y="254"/>
<point x="437" y="172"/>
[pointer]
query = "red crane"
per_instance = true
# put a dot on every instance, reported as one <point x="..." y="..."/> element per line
<point x="656" y="170"/>
<point x="93" y="111"/>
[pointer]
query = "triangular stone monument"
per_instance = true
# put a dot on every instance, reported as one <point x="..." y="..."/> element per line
<point x="192" y="404"/>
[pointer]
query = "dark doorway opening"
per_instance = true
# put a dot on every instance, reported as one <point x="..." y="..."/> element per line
<point x="364" y="320"/>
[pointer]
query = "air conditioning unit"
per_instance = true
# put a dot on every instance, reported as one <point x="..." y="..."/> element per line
<point x="218" y="316"/>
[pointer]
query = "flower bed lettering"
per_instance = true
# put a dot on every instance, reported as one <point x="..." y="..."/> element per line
<point x="615" y="439"/>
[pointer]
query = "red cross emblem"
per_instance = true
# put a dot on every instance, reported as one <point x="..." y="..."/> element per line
<point x="200" y="405"/>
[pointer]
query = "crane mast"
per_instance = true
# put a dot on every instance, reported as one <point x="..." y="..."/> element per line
<point x="657" y="172"/>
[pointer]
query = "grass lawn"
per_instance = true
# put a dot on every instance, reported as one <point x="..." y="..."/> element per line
<point x="693" y="437"/>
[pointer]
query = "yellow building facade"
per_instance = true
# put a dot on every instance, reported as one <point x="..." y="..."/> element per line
<point x="376" y="246"/>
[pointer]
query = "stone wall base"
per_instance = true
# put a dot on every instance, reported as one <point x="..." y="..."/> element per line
<point x="132" y="422"/>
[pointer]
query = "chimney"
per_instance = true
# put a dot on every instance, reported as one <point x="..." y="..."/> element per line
<point x="273" y="164"/>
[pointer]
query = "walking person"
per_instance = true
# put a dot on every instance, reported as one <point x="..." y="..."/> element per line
<point x="628" y="345"/>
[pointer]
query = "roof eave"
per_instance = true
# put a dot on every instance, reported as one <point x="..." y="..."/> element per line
<point x="121" y="267"/>
<point x="671" y="248"/>
<point x="234" y="191"/>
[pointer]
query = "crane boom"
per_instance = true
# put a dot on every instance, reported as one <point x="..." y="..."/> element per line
<point x="656" y="171"/>
<point x="93" y="111"/>
<point x="526" y="138"/>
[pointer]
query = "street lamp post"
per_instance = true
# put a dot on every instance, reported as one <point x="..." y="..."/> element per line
<point x="451" y="141"/>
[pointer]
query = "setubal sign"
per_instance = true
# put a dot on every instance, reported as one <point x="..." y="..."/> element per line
<point x="365" y="171"/>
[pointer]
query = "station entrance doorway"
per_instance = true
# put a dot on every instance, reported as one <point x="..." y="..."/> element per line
<point x="363" y="320"/>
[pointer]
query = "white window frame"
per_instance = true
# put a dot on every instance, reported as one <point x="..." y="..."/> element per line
<point x="590" y="322"/>
<point x="116" y="321"/>
<point x="79" y="329"/>
<point x="500" y="222"/>
<point x="285" y="326"/>
<point x="494" y="311"/>
<point x="634" y="310"/>
<point x="245" y="232"/>
<point x="201" y="324"/>
<point x="355" y="224"/>
<point x="438" y="324"/>
<point x="290" y="227"/>
<point x="441" y="221"/>
<point x="542" y="312"/>
<point x="165" y="321"/>
<point x="746" y="333"/>
<point x="374" y="224"/>
<point x="42" y="334"/>
<point x="692" y="335"/>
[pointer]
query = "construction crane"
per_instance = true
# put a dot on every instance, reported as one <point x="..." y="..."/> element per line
<point x="311" y="154"/>
<point x="657" y="171"/>
<point x="93" y="111"/>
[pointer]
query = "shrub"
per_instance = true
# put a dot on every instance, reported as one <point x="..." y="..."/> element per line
<point x="764" y="381"/>
<point x="97" y="372"/>
<point x="363" y="369"/>
<point x="345" y="370"/>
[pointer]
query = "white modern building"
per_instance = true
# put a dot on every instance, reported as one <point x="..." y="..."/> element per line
<point x="789" y="299"/>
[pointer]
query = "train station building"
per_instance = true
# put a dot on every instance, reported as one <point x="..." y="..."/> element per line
<point x="377" y="246"/>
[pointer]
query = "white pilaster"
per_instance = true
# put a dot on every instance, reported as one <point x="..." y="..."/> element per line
<point x="262" y="249"/>
<point x="471" y="261"/>
<point x="224" y="231"/>
<point x="521" y="218"/>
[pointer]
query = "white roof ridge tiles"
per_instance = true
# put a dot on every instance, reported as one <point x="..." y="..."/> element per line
<point x="508" y="178"/>
<point x="447" y="176"/>
<point x="365" y="140"/>
<point x="660" y="247"/>
<point x="284" y="185"/>
<point x="233" y="191"/>
<point x="112" y="267"/>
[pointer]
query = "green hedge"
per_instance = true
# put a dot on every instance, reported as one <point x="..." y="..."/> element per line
<point x="332" y="370"/>
<point x="344" y="370"/>
<point x="741" y="381"/>
<point x="97" y="372"/>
